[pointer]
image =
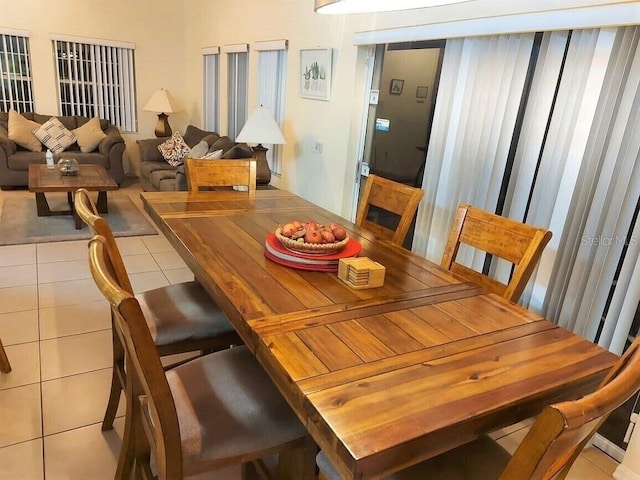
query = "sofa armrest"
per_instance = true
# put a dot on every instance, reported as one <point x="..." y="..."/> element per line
<point x="112" y="147"/>
<point x="7" y="147"/>
<point x="149" y="149"/>
<point x="107" y="143"/>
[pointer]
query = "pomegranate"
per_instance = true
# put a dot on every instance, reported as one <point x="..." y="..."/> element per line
<point x="340" y="233"/>
<point x="310" y="225"/>
<point x="288" y="230"/>
<point x="312" y="236"/>
<point x="327" y="237"/>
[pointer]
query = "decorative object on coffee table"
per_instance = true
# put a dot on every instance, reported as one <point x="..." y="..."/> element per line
<point x="68" y="166"/>
<point x="161" y="102"/>
<point x="92" y="177"/>
<point x="261" y="127"/>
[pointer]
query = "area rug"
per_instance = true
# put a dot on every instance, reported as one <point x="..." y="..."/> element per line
<point x="19" y="222"/>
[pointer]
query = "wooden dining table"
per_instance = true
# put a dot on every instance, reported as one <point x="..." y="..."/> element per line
<point x="384" y="377"/>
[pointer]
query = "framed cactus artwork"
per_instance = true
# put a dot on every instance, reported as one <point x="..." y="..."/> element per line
<point x="315" y="73"/>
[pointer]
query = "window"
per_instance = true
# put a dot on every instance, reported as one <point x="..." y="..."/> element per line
<point x="211" y="112"/>
<point x="96" y="80"/>
<point x="272" y="64"/>
<point x="16" y="88"/>
<point x="237" y="66"/>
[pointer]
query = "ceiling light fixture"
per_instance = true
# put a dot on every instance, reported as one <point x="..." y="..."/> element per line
<point x="370" y="6"/>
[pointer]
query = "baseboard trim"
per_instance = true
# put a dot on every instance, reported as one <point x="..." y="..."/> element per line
<point x="608" y="447"/>
<point x="623" y="473"/>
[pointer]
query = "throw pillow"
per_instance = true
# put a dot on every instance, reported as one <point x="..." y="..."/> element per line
<point x="54" y="135"/>
<point x="224" y="143"/>
<point x="174" y="150"/>
<point x="199" y="150"/>
<point x="89" y="135"/>
<point x="214" y="155"/>
<point x="194" y="135"/>
<point x="239" y="150"/>
<point x="20" y="131"/>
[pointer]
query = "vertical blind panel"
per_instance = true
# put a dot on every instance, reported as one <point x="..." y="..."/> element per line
<point x="237" y="92"/>
<point x="582" y="292"/>
<point x="271" y="88"/>
<point x="97" y="80"/>
<point x="534" y="126"/>
<point x="479" y="95"/>
<point x="608" y="219"/>
<point x="422" y="243"/>
<point x="15" y="74"/>
<point x="561" y="160"/>
<point x="211" y="92"/>
<point x="232" y="89"/>
<point x="617" y="190"/>
<point x="5" y="91"/>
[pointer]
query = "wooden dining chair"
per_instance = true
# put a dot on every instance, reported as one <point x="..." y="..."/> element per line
<point x="221" y="173"/>
<point x="182" y="317"/>
<point x="397" y="198"/>
<point x="5" y="366"/>
<point x="211" y="412"/>
<point x="516" y="242"/>
<point x="550" y="447"/>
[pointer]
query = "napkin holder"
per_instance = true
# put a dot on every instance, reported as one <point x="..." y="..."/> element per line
<point x="361" y="272"/>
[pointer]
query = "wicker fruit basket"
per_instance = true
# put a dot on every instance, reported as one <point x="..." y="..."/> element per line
<point x="312" y="248"/>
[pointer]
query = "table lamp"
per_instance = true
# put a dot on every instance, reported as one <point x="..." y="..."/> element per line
<point x="261" y="127"/>
<point x="161" y="101"/>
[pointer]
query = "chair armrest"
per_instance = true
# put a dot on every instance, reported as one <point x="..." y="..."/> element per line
<point x="149" y="149"/>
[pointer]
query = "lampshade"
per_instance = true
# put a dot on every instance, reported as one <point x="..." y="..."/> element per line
<point x="261" y="127"/>
<point x="161" y="101"/>
<point x="370" y="6"/>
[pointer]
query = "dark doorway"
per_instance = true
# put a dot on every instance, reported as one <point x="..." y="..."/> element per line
<point x="405" y="86"/>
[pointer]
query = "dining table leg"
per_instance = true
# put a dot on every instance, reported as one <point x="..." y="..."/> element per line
<point x="299" y="463"/>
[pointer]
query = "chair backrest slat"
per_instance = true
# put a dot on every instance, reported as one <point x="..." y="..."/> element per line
<point x="221" y="173"/>
<point x="397" y="198"/>
<point x="508" y="239"/>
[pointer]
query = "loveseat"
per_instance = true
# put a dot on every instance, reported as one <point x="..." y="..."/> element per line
<point x="15" y="159"/>
<point x="156" y="174"/>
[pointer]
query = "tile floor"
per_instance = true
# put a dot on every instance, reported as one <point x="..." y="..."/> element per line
<point x="56" y="329"/>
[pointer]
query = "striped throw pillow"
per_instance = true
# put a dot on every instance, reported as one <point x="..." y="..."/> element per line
<point x="54" y="135"/>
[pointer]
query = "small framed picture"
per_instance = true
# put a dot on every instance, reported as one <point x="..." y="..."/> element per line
<point x="422" y="92"/>
<point x="315" y="73"/>
<point x="396" y="86"/>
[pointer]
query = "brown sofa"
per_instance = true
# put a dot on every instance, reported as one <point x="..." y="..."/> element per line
<point x="15" y="160"/>
<point x="157" y="175"/>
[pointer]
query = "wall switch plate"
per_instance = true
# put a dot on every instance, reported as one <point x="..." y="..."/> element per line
<point x="317" y="147"/>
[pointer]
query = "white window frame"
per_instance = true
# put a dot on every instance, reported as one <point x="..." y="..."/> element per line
<point x="272" y="75"/>
<point x="211" y="88"/>
<point x="98" y="79"/>
<point x="238" y="87"/>
<point x="16" y="84"/>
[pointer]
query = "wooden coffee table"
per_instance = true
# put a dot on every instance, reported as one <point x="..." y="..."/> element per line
<point x="47" y="180"/>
